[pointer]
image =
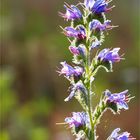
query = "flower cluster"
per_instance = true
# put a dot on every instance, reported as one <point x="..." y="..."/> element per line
<point x="86" y="34"/>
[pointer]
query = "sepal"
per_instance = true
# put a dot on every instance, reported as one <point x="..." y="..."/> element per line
<point x="113" y="107"/>
<point x="96" y="65"/>
<point x="107" y="65"/>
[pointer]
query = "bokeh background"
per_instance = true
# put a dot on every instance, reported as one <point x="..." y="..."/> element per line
<point x="32" y="93"/>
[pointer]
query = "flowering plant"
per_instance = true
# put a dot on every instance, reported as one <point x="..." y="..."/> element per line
<point x="86" y="34"/>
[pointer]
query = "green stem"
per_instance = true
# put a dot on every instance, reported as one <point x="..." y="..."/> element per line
<point x="91" y="131"/>
<point x="91" y="134"/>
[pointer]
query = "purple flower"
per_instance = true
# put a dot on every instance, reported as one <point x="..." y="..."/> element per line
<point x="70" y="71"/>
<point x="70" y="32"/>
<point x="100" y="6"/>
<point x="95" y="44"/>
<point x="122" y="136"/>
<point x="81" y="32"/>
<point x="80" y="50"/>
<point x="76" y="87"/>
<point x="78" y="71"/>
<point x="78" y="33"/>
<point x="72" y="12"/>
<point x="74" y="50"/>
<point x="78" y="119"/>
<point x="109" y="55"/>
<point x="96" y="24"/>
<point x="97" y="6"/>
<point x="67" y="69"/>
<point x="120" y="99"/>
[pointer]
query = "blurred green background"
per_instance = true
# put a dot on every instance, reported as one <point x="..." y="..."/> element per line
<point x="32" y="93"/>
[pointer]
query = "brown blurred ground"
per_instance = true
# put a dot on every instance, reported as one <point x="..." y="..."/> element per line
<point x="32" y="93"/>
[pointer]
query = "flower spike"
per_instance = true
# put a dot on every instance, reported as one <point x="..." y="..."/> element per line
<point x="86" y="33"/>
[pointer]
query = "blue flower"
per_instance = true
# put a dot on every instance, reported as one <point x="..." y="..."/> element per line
<point x="120" y="99"/>
<point x="72" y="12"/>
<point x="100" y="6"/>
<point x="96" y="24"/>
<point x="76" y="87"/>
<point x="122" y="136"/>
<point x="69" y="71"/>
<point x="109" y="55"/>
<point x="78" y="119"/>
<point x="97" y="6"/>
<point x="78" y="33"/>
<point x="78" y="71"/>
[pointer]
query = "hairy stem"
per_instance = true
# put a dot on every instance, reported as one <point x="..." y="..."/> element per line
<point x="91" y="134"/>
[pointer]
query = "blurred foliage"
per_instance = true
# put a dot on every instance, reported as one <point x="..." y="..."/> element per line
<point x="14" y="115"/>
<point x="7" y="97"/>
<point x="32" y="93"/>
